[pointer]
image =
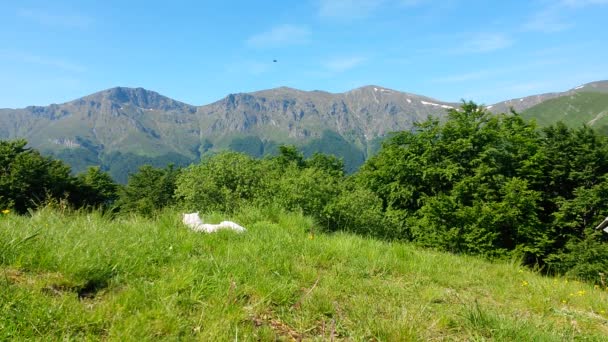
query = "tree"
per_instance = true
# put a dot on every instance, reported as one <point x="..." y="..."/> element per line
<point x="96" y="188"/>
<point x="461" y="185"/>
<point x="328" y="163"/>
<point x="289" y="154"/>
<point x="27" y="178"/>
<point x="494" y="185"/>
<point x="149" y="190"/>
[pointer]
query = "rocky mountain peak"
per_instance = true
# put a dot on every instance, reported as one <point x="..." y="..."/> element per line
<point x="372" y="88"/>
<point x="137" y="97"/>
<point x="283" y="92"/>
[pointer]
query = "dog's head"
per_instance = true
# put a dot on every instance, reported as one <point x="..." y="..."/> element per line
<point x="192" y="218"/>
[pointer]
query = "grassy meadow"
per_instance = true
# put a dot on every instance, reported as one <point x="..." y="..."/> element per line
<point x="590" y="108"/>
<point x="85" y="276"/>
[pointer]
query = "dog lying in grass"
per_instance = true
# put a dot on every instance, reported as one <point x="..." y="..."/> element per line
<point x="195" y="223"/>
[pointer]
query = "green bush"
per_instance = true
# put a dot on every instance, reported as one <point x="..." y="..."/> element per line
<point x="223" y="182"/>
<point x="308" y="190"/>
<point x="359" y="211"/>
<point x="315" y="187"/>
<point x="585" y="259"/>
<point x="97" y="188"/>
<point x="149" y="190"/>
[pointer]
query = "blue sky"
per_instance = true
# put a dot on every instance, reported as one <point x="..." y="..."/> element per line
<point x="199" y="51"/>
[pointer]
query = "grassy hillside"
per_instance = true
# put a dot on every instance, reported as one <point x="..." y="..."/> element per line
<point x="574" y="110"/>
<point x="84" y="276"/>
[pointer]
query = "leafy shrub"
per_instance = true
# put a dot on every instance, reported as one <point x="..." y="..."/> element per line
<point x="308" y="190"/>
<point x="358" y="211"/>
<point x="223" y="182"/>
<point x="149" y="190"/>
<point x="582" y="259"/>
<point x="314" y="187"/>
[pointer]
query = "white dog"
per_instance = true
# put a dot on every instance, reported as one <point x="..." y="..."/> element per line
<point x="195" y="223"/>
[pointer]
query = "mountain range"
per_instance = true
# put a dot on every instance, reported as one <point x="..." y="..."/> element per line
<point x="123" y="128"/>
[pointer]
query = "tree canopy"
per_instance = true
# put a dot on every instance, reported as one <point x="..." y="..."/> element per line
<point x="494" y="185"/>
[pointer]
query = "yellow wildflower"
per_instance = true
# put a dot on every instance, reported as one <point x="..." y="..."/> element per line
<point x="581" y="292"/>
<point x="6" y="211"/>
<point x="524" y="283"/>
<point x="564" y="301"/>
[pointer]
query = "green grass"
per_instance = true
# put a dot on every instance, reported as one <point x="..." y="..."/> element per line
<point x="589" y="108"/>
<point x="84" y="276"/>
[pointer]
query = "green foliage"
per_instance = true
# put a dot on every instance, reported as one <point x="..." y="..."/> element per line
<point x="149" y="190"/>
<point x="328" y="163"/>
<point x="308" y="190"/>
<point x="222" y="182"/>
<point x="578" y="249"/>
<point x="27" y="178"/>
<point x="493" y="185"/>
<point x="585" y="258"/>
<point x="359" y="211"/>
<point x="289" y="154"/>
<point x="315" y="187"/>
<point x="97" y="188"/>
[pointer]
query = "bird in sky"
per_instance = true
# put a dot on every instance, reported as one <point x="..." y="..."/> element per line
<point x="274" y="60"/>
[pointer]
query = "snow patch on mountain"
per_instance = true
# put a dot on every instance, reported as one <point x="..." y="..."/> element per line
<point x="436" y="105"/>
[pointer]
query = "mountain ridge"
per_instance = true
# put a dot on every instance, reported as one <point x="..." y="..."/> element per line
<point x="597" y="86"/>
<point x="523" y="103"/>
<point x="120" y="124"/>
<point x="129" y="126"/>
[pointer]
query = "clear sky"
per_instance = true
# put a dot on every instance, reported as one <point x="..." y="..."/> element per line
<point x="200" y="51"/>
